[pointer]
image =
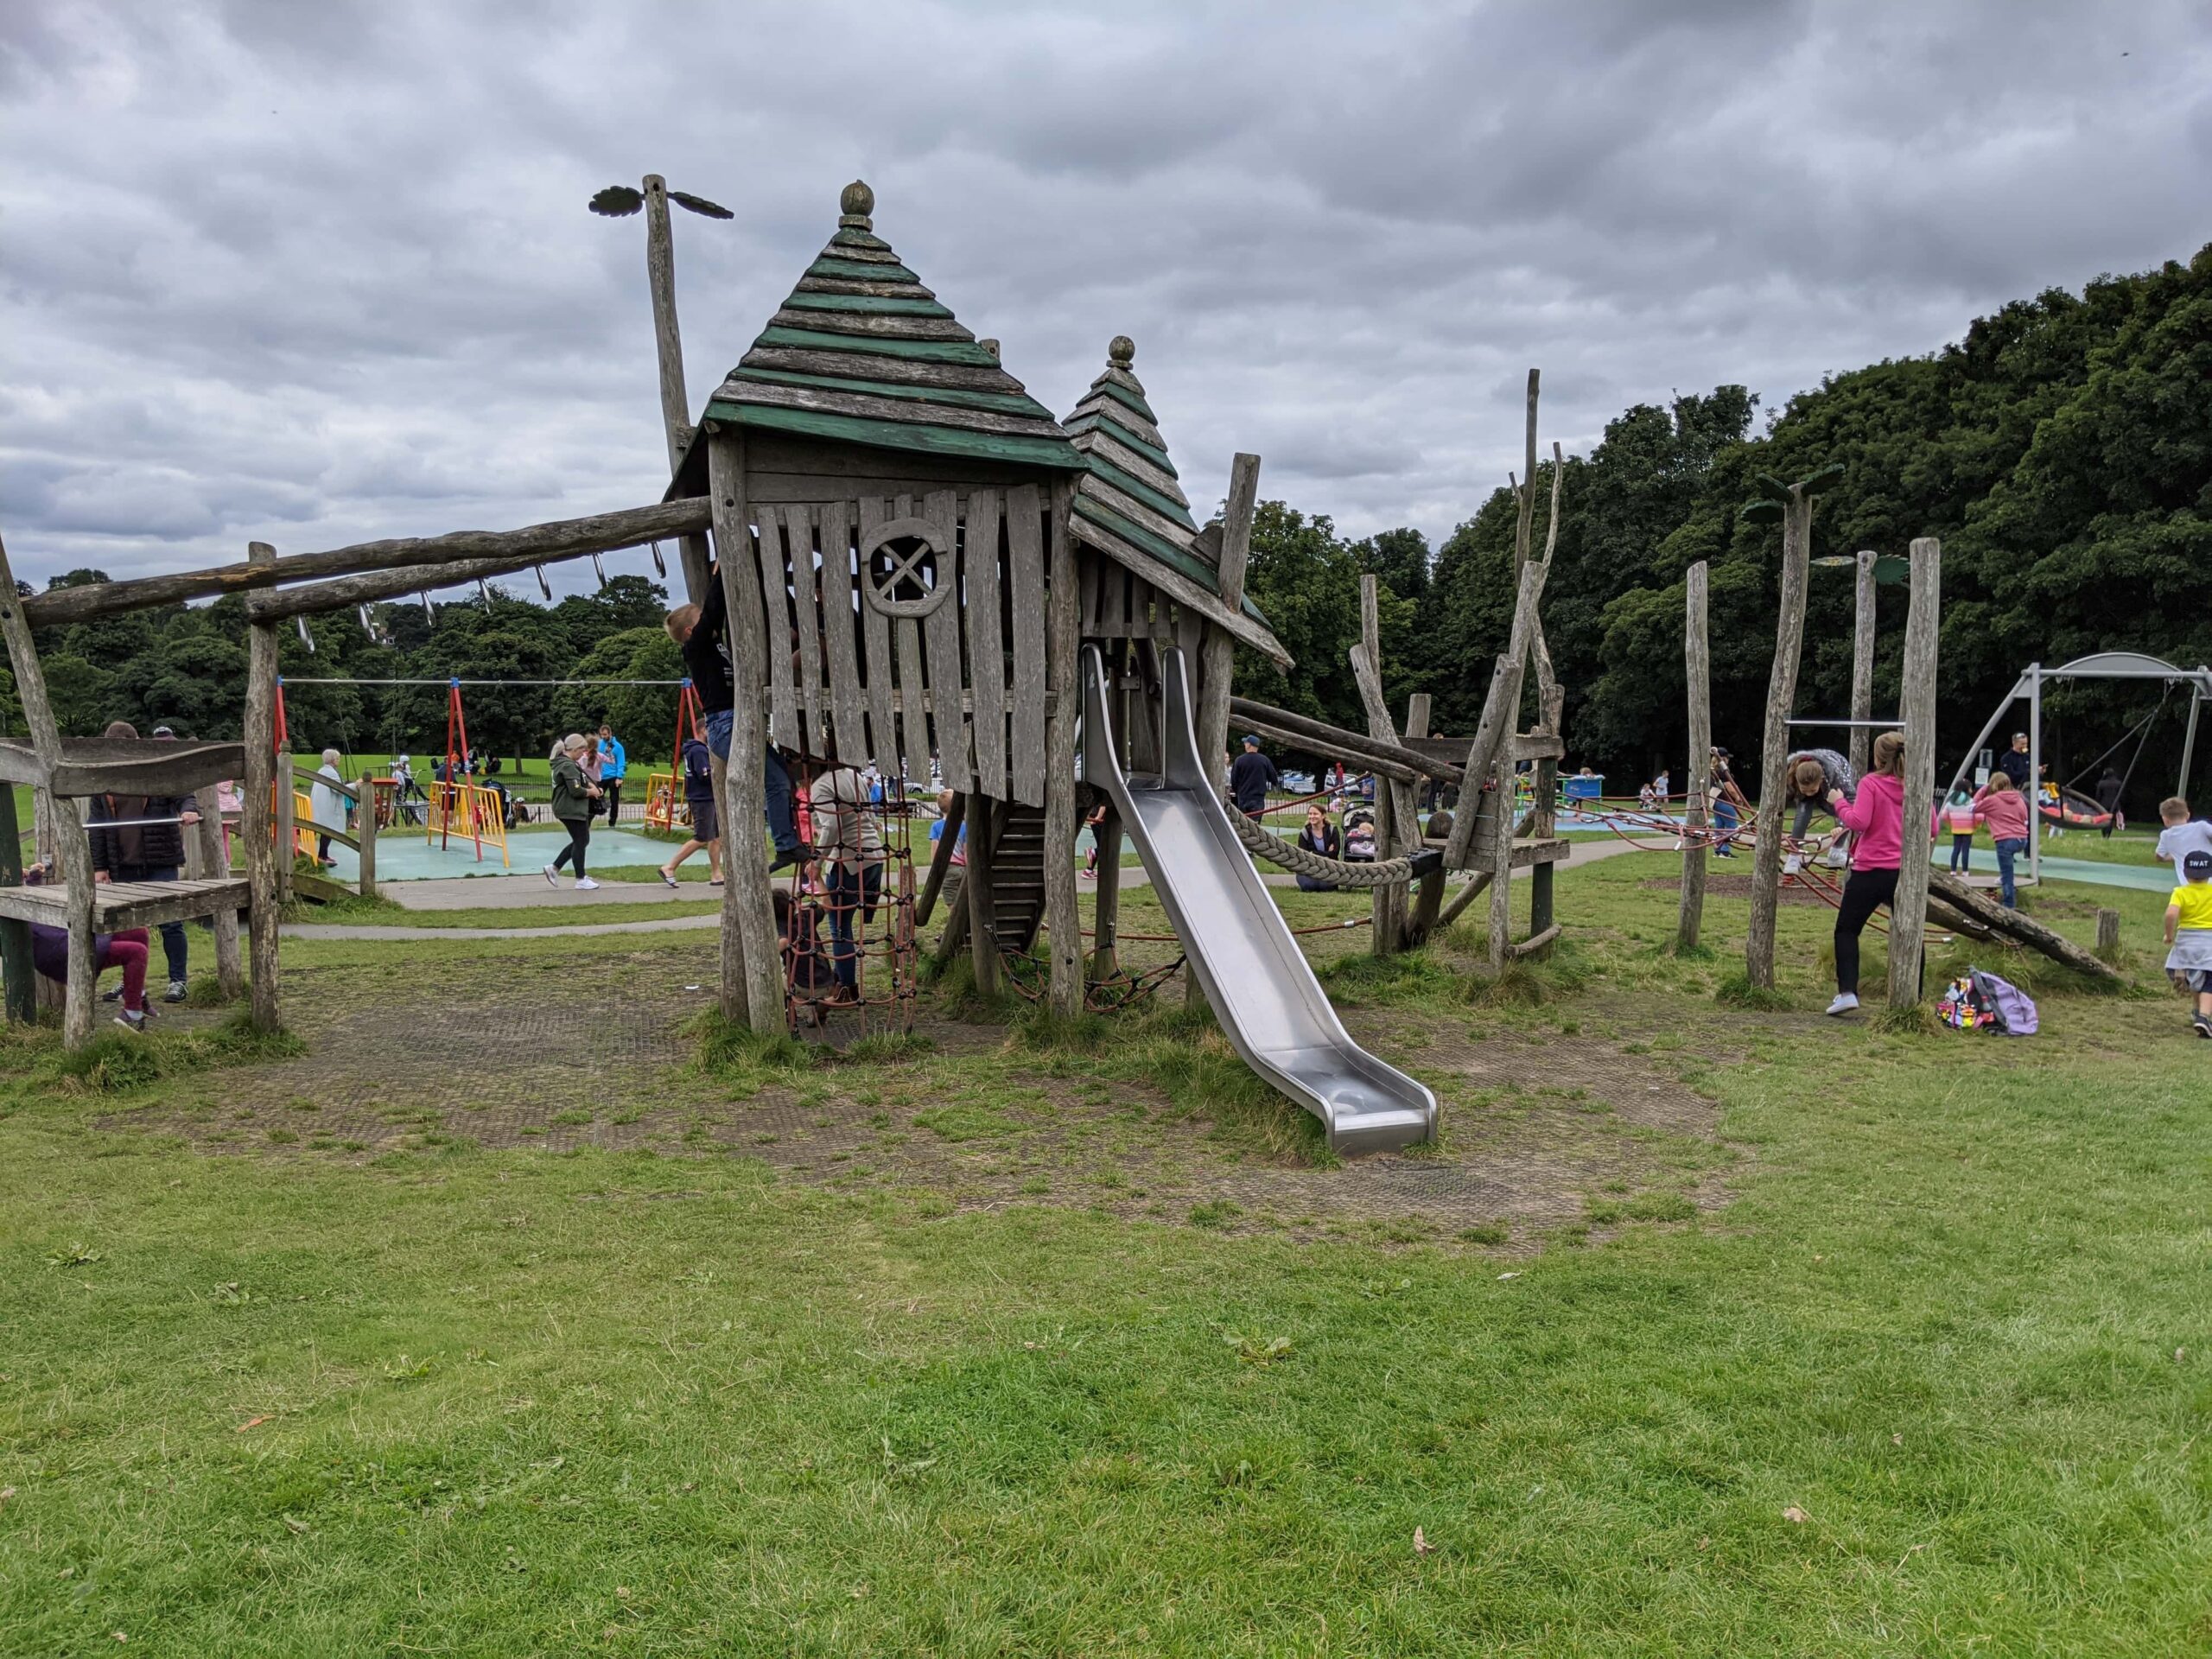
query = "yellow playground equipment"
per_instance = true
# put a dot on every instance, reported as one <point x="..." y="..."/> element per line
<point x="470" y="811"/>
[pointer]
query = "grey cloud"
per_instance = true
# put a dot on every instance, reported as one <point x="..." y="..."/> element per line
<point x="315" y="273"/>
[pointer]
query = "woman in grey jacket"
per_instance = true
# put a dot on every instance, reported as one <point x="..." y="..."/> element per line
<point x="573" y="794"/>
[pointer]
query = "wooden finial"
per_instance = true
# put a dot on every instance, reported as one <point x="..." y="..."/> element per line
<point x="990" y="345"/>
<point x="854" y="207"/>
<point x="1122" y="351"/>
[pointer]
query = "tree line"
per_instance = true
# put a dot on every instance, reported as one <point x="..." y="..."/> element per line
<point x="2062" y="450"/>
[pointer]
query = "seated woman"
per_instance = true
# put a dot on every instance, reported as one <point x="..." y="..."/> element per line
<point x="126" y="950"/>
<point x="1320" y="837"/>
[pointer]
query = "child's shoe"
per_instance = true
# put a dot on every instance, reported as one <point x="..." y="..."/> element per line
<point x="2202" y="1024"/>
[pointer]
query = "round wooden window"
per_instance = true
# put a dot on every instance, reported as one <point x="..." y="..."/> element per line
<point x="905" y="570"/>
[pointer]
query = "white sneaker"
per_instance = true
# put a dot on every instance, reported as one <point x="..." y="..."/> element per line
<point x="585" y="884"/>
<point x="1792" y="864"/>
<point x="552" y="876"/>
<point x="1845" y="1003"/>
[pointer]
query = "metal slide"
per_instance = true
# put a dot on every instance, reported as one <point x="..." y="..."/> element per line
<point x="1263" y="991"/>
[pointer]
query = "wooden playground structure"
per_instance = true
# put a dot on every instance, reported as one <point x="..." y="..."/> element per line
<point x="916" y="561"/>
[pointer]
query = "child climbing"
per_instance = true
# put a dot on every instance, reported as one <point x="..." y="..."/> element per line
<point x="1811" y="778"/>
<point x="2005" y="809"/>
<point x="1875" y="817"/>
<point x="2188" y="935"/>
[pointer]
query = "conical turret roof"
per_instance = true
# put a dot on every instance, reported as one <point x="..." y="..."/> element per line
<point x="1130" y="505"/>
<point x="861" y="353"/>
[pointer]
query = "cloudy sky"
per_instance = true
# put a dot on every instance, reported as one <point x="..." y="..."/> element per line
<point x="314" y="273"/>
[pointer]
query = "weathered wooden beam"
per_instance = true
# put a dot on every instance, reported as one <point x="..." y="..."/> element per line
<point x="18" y="973"/>
<point x="1501" y="715"/>
<point x="1774" y="748"/>
<point x="1536" y="943"/>
<point x="1397" y="817"/>
<point x="1697" y="664"/>
<point x="2108" y="936"/>
<point x="1428" y="898"/>
<point x="1106" y="916"/>
<point x="1862" y="664"/>
<point x="982" y="895"/>
<point x="948" y="841"/>
<point x="255" y="820"/>
<point x="214" y="859"/>
<point x="1909" y="909"/>
<point x="565" y="539"/>
<point x="752" y="958"/>
<point x="1395" y="761"/>
<point x="668" y="351"/>
<point x="1063" y="920"/>
<point x="1217" y="657"/>
<point x="2015" y="925"/>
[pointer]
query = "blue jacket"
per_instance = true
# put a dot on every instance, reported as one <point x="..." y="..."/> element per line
<point x="618" y="758"/>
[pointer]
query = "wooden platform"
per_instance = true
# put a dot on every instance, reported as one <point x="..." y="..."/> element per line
<point x="1527" y="850"/>
<point x="120" y="905"/>
<point x="123" y="765"/>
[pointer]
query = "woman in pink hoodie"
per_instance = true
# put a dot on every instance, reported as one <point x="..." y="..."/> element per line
<point x="1876" y="819"/>
<point x="2005" y="809"/>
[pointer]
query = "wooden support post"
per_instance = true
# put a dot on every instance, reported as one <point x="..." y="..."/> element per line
<point x="1501" y="885"/>
<point x="1862" y="666"/>
<point x="288" y="825"/>
<point x="753" y="962"/>
<point x="1909" y="910"/>
<point x="1780" y="698"/>
<point x="2108" y="935"/>
<point x="1697" y="665"/>
<point x="18" y="978"/>
<point x="75" y="851"/>
<point x="1397" y="819"/>
<point x="1544" y="808"/>
<point x="258" y="821"/>
<point x="215" y="862"/>
<point x="1500" y="716"/>
<point x="1427" y="900"/>
<point x="1217" y="655"/>
<point x="1063" y="920"/>
<point x="948" y="843"/>
<point x="365" y="834"/>
<point x="668" y="349"/>
<point x="1106" y="919"/>
<point x="982" y="896"/>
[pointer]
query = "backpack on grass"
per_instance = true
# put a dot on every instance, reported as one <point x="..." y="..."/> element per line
<point x="1980" y="1001"/>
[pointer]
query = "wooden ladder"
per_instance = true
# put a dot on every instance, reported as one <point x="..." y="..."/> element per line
<point x="1018" y="877"/>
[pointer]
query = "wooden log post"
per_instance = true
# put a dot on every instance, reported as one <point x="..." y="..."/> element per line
<point x="1862" y="666"/>
<point x="1909" y="910"/>
<point x="2018" y="926"/>
<point x="983" y="894"/>
<point x="258" y="821"/>
<point x="1217" y="655"/>
<point x="1501" y="717"/>
<point x="1501" y="885"/>
<point x="1697" y="667"/>
<point x="214" y="859"/>
<point x="1063" y="917"/>
<point x="18" y="976"/>
<point x="668" y="350"/>
<point x="1781" y="697"/>
<point x="287" y="824"/>
<point x="2108" y="936"/>
<point x="1106" y="919"/>
<point x="1397" y="817"/>
<point x="1427" y="899"/>
<point x="1543" y="811"/>
<point x="751" y="960"/>
<point x="365" y="834"/>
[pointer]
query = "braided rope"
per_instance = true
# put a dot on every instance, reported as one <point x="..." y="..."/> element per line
<point x="1391" y="873"/>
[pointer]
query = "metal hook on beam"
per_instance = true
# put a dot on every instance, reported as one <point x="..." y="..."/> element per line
<point x="659" y="563"/>
<point x="368" y="626"/>
<point x="427" y="611"/>
<point x="600" y="569"/>
<point x="306" y="639"/>
<point x="544" y="586"/>
<point x="484" y="592"/>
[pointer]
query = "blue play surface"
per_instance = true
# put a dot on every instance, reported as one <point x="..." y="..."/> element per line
<point x="405" y="855"/>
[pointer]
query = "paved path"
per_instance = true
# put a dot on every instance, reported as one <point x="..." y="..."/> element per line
<point x="531" y="892"/>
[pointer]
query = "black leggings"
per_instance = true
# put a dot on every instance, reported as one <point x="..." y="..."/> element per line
<point x="579" y="838"/>
<point x="612" y="788"/>
<point x="1864" y="893"/>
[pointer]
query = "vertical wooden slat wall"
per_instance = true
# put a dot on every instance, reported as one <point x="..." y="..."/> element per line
<point x="966" y="681"/>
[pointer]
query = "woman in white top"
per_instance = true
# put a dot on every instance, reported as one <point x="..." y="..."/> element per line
<point x="849" y="843"/>
<point x="326" y="805"/>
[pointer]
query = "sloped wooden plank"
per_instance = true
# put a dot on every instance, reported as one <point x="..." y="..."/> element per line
<point x="840" y="632"/>
<point x="783" y="709"/>
<point x="941" y="640"/>
<point x="1024" y="544"/>
<point x="986" y="645"/>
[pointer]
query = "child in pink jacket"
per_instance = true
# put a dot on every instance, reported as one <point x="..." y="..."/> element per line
<point x="2005" y="809"/>
<point x="1875" y="817"/>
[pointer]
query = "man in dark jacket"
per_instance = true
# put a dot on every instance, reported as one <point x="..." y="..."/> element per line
<point x="2013" y="763"/>
<point x="141" y="838"/>
<point x="2110" y="788"/>
<point x="1250" y="776"/>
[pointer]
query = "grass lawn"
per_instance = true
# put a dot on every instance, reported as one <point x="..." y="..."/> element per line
<point x="509" y="1318"/>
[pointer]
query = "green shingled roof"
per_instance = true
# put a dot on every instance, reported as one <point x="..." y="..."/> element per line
<point x="861" y="353"/>
<point x="1130" y="503"/>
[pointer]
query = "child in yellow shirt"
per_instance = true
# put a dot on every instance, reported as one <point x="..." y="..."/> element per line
<point x="2188" y="935"/>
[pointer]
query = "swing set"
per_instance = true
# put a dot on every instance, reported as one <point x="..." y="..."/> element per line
<point x="663" y="795"/>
